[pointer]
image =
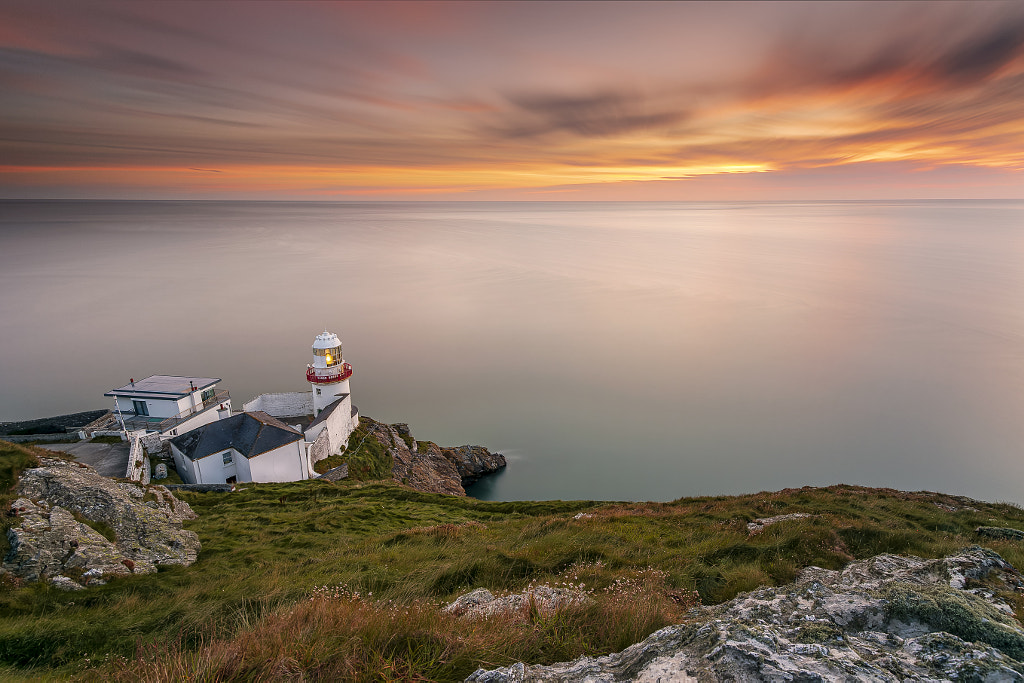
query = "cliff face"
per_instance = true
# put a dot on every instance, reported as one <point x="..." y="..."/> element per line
<point x="888" y="618"/>
<point x="63" y="508"/>
<point x="428" y="467"/>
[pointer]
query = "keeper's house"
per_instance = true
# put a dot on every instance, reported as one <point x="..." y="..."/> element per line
<point x="251" y="446"/>
<point x="170" y="405"/>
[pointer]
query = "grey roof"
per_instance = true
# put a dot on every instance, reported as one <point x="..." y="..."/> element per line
<point x="164" y="386"/>
<point x="250" y="434"/>
<point x="326" y="412"/>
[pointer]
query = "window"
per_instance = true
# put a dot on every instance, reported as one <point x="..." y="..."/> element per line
<point x="140" y="407"/>
<point x="228" y="458"/>
<point x="208" y="394"/>
<point x="332" y="355"/>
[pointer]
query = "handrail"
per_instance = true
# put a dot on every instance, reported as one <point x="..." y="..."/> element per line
<point x="169" y="422"/>
<point x="334" y="376"/>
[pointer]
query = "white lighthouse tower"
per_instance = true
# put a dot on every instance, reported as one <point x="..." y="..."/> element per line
<point x="328" y="373"/>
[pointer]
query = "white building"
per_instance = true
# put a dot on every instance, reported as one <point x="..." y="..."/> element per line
<point x="325" y="415"/>
<point x="170" y="405"/>
<point x="251" y="446"/>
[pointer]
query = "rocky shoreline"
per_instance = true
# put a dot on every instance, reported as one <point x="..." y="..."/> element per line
<point x="425" y="466"/>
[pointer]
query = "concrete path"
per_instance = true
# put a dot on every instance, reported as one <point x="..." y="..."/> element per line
<point x="110" y="460"/>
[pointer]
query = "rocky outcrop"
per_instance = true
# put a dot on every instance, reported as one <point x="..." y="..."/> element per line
<point x="67" y="512"/>
<point x="545" y="599"/>
<point x="473" y="462"/>
<point x="889" y="618"/>
<point x="1000" y="533"/>
<point x="762" y="523"/>
<point x="432" y="468"/>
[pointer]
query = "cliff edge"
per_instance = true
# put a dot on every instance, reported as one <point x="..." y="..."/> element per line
<point x="425" y="466"/>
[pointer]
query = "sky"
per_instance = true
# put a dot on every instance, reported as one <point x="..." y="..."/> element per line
<point x="511" y="100"/>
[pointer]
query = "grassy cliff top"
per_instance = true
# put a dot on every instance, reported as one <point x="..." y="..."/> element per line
<point x="341" y="581"/>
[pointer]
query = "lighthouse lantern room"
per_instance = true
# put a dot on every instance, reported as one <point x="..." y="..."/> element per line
<point x="328" y="373"/>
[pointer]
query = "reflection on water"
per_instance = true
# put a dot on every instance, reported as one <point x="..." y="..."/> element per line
<point x="615" y="351"/>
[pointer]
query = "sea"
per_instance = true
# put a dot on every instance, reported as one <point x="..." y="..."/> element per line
<point x="612" y="351"/>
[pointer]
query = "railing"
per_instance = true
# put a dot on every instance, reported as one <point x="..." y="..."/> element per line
<point x="170" y="422"/>
<point x="328" y="375"/>
<point x="162" y="424"/>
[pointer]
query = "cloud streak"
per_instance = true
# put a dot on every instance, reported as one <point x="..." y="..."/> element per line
<point x="421" y="97"/>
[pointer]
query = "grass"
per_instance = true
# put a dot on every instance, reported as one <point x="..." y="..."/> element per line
<point x="106" y="439"/>
<point x="172" y="473"/>
<point x="13" y="460"/>
<point x="367" y="458"/>
<point x="318" y="580"/>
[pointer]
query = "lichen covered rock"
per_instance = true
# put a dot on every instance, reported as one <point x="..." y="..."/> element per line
<point x="1001" y="533"/>
<point x="62" y="510"/>
<point x="545" y="599"/>
<point x="888" y="618"/>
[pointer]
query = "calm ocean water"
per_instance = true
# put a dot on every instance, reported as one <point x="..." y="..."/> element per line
<point x="612" y="351"/>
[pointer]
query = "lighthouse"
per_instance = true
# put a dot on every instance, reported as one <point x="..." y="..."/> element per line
<point x="328" y="373"/>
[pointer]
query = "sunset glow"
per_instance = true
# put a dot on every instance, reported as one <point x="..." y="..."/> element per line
<point x="498" y="100"/>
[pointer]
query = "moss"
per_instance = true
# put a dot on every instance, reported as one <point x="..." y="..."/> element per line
<point x="368" y="459"/>
<point x="102" y="528"/>
<point x="328" y="464"/>
<point x="962" y="614"/>
<point x="13" y="460"/>
<point x="817" y="632"/>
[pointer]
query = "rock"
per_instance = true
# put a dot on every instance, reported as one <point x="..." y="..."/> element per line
<point x="999" y="532"/>
<point x="546" y="599"/>
<point x="759" y="525"/>
<point x="473" y="462"/>
<point x="469" y="601"/>
<point x="432" y="468"/>
<point x="888" y="618"/>
<point x="54" y="539"/>
<point x="66" y="584"/>
<point x="336" y="474"/>
<point x="424" y="469"/>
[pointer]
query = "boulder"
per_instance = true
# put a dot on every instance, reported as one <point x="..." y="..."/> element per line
<point x="888" y="618"/>
<point x="62" y="510"/>
<point x="545" y="599"/>
<point x="1002" y="533"/>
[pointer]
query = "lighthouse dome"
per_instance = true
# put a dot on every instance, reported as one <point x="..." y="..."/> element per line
<point x="327" y="340"/>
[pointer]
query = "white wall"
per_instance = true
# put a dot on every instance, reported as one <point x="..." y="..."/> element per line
<point x="291" y="404"/>
<point x="319" y="450"/>
<point x="329" y="393"/>
<point x="184" y="466"/>
<point x="209" y="415"/>
<point x="157" y="408"/>
<point x="287" y="463"/>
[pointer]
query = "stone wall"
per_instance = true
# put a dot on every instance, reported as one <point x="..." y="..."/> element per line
<point x="138" y="461"/>
<point x="290" y="404"/>
<point x="153" y="443"/>
<point x="319" y="450"/>
<point x="42" y="438"/>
